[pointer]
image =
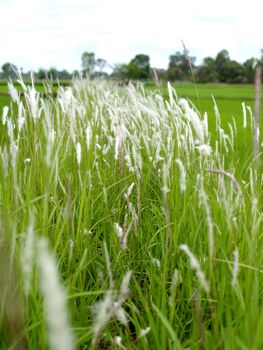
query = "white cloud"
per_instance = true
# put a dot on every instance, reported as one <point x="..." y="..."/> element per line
<point x="35" y="33"/>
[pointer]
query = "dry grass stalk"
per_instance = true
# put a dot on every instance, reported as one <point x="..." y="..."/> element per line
<point x="229" y="175"/>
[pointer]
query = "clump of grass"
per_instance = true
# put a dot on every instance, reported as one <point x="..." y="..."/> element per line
<point x="146" y="177"/>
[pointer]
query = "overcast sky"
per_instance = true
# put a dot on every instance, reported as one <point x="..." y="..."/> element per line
<point x="44" y="33"/>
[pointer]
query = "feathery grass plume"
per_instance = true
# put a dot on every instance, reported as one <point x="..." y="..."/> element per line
<point x="71" y="248"/>
<point x="217" y="155"/>
<point x="257" y="134"/>
<point x="78" y="153"/>
<point x="223" y="138"/>
<point x="156" y="78"/>
<point x="108" y="266"/>
<point x="10" y="130"/>
<point x="20" y="118"/>
<point x="32" y="99"/>
<point x="234" y="123"/>
<point x="104" y="311"/>
<point x="49" y="146"/>
<point x="5" y="114"/>
<point x="111" y="306"/>
<point x="124" y="288"/>
<point x="230" y="176"/>
<point x="171" y="93"/>
<point x="252" y="180"/>
<point x="204" y="149"/>
<point x="13" y="158"/>
<point x="174" y="283"/>
<point x="134" y="215"/>
<point x="182" y="175"/>
<point x="137" y="161"/>
<point x="144" y="332"/>
<point x="205" y="124"/>
<point x="98" y="173"/>
<point x="13" y="92"/>
<point x="250" y="116"/>
<point x="28" y="254"/>
<point x="217" y="114"/>
<point x="191" y="115"/>
<point x="5" y="161"/>
<point x="254" y="214"/>
<point x="235" y="268"/>
<point x="118" y="341"/>
<point x="156" y="262"/>
<point x="166" y="176"/>
<point x="129" y="191"/>
<point x="88" y="133"/>
<point x="244" y="115"/>
<point x="121" y="234"/>
<point x="60" y="335"/>
<point x="194" y="263"/>
<point x="232" y="135"/>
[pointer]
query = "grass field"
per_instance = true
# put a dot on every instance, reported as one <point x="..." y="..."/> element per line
<point x="228" y="98"/>
<point x="129" y="220"/>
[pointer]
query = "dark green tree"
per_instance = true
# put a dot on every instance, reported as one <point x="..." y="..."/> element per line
<point x="233" y="72"/>
<point x="53" y="73"/>
<point x="120" y="71"/>
<point x="207" y="71"/>
<point x="250" y="65"/>
<point x="64" y="74"/>
<point x="139" y="67"/>
<point x="221" y="59"/>
<point x="41" y="74"/>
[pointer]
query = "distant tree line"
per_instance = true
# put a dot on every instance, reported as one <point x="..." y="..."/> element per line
<point x="181" y="67"/>
<point x="9" y="71"/>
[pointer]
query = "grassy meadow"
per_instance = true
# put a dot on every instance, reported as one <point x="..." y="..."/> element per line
<point x="130" y="219"/>
<point x="228" y="97"/>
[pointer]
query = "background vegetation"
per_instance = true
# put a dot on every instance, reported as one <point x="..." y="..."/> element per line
<point x="181" y="67"/>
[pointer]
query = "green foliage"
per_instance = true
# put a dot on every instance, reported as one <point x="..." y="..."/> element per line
<point x="249" y="66"/>
<point x="42" y="74"/>
<point x="180" y="65"/>
<point x="175" y="74"/>
<point x="139" y="67"/>
<point x="207" y="71"/>
<point x="52" y="73"/>
<point x="220" y="61"/>
<point x="232" y="72"/>
<point x="120" y="71"/>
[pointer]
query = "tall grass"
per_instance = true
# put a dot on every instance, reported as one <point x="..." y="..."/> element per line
<point x="154" y="223"/>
